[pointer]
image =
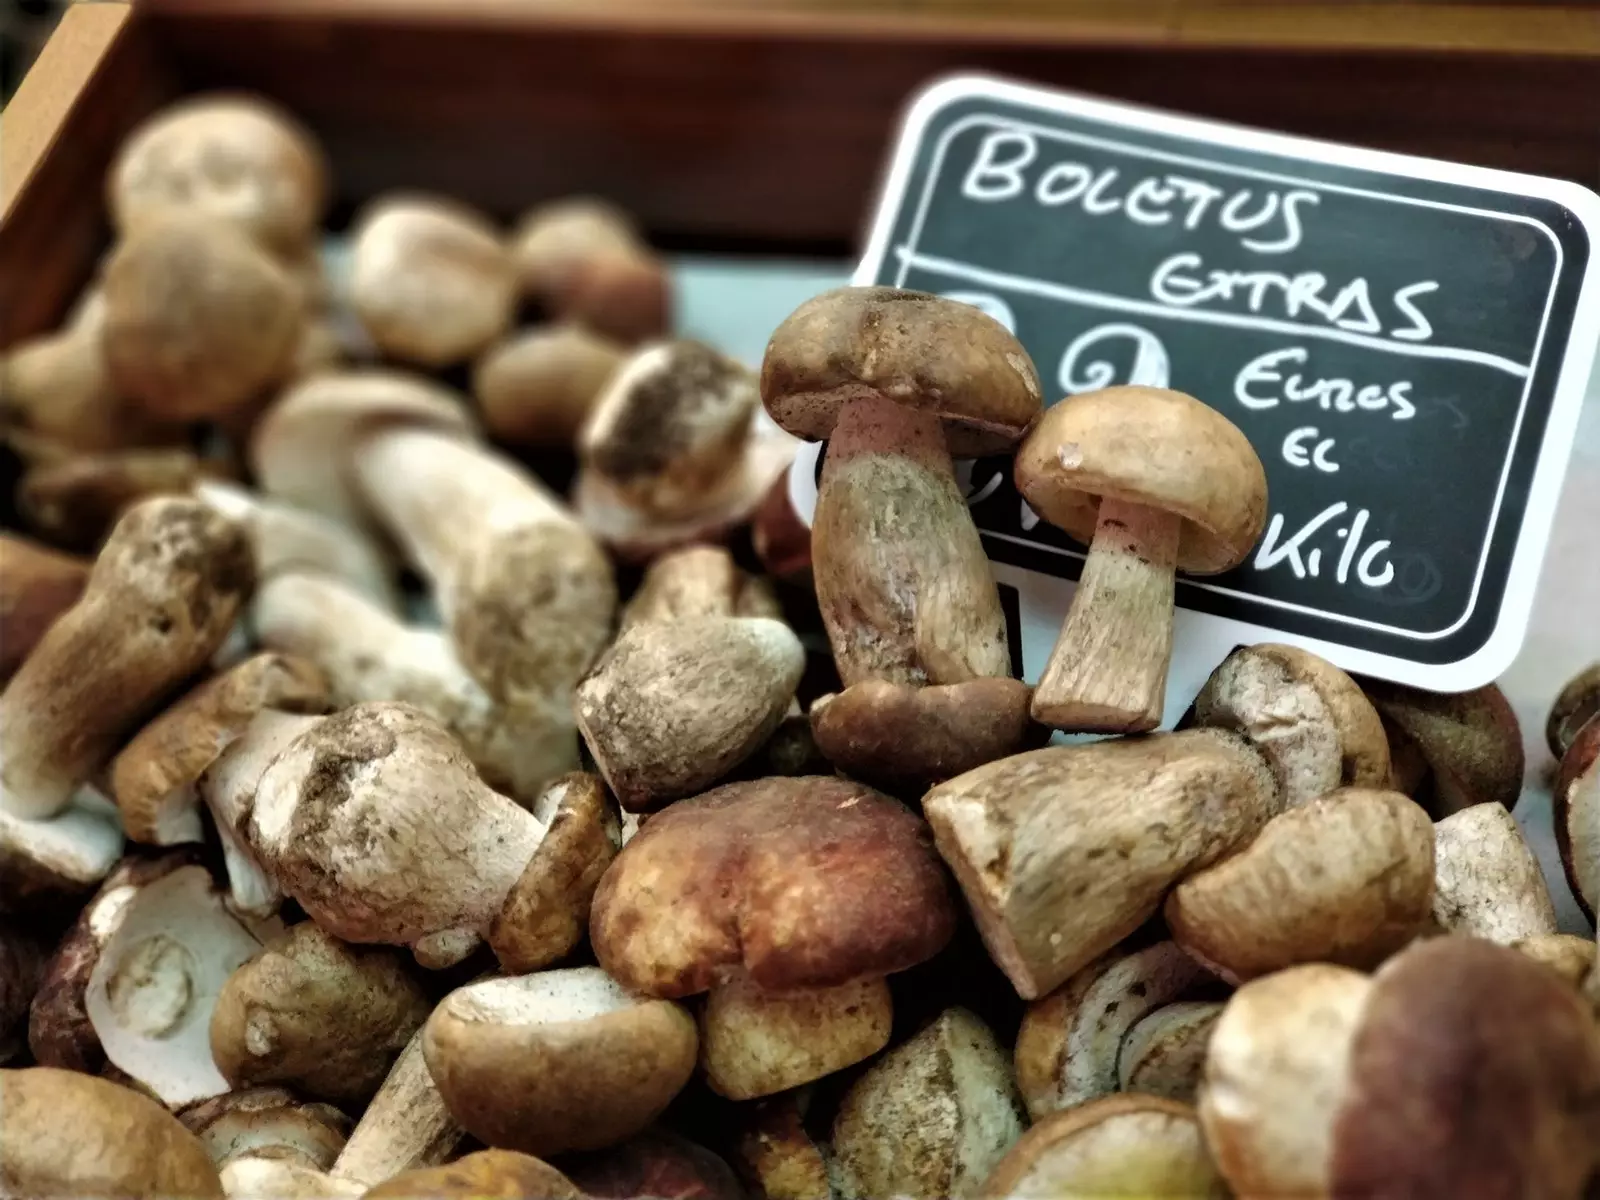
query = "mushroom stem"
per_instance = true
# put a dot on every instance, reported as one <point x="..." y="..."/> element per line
<point x="905" y="588"/>
<point x="406" y="1126"/>
<point x="1108" y="671"/>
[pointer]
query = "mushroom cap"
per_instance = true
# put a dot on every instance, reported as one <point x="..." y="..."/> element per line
<point x="537" y="388"/>
<point x="74" y="502"/>
<point x="1128" y="1145"/>
<point x="1470" y="740"/>
<point x="1152" y="447"/>
<point x="302" y="446"/>
<point x="554" y="240"/>
<point x="1577" y="816"/>
<point x="486" y="1175"/>
<point x="1576" y="704"/>
<point x="1487" y="880"/>
<point x="556" y="1061"/>
<point x="311" y="1012"/>
<point x="803" y="882"/>
<point x="1346" y="878"/>
<point x="252" y="1177"/>
<point x="46" y="862"/>
<point x="37" y="585"/>
<point x="1309" y="718"/>
<point x="200" y="320"/>
<point x="234" y="158"/>
<point x="927" y="353"/>
<point x="72" y="1135"/>
<point x="656" y="1163"/>
<point x="153" y="776"/>
<point x="896" y="735"/>
<point x="267" y="1122"/>
<point x="699" y="581"/>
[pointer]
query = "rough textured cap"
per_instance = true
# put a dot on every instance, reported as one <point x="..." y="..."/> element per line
<point x="1470" y="741"/>
<point x="937" y="356"/>
<point x="1154" y="447"/>
<point x="807" y="882"/>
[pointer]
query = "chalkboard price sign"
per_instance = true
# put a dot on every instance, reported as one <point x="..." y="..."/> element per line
<point x="1405" y="343"/>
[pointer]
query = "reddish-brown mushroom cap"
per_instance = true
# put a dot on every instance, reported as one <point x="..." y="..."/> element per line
<point x="1575" y="706"/>
<point x="807" y="882"/>
<point x="1577" y="816"/>
<point x="1470" y="742"/>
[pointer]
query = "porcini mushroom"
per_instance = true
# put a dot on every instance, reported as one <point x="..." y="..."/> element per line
<point x="1487" y="882"/>
<point x="1574" y="707"/>
<point x="775" y="887"/>
<point x="931" y="1118"/>
<point x="486" y="1175"/>
<point x="431" y="279"/>
<point x="1451" y="751"/>
<point x="238" y="159"/>
<point x="557" y="1061"/>
<point x="537" y="388"/>
<point x="68" y="1134"/>
<point x="1114" y="1146"/>
<point x="309" y="1011"/>
<point x="1460" y="1068"/>
<point x="583" y="259"/>
<point x="1064" y="852"/>
<point x="37" y="585"/>
<point x="1154" y="482"/>
<point x="75" y="501"/>
<point x="267" y="1123"/>
<point x="1344" y="879"/>
<point x="406" y="1126"/>
<point x="1577" y="816"/>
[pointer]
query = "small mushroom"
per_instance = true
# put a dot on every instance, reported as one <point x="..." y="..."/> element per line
<point x="1570" y="956"/>
<point x="655" y="1164"/>
<point x="200" y="321"/>
<point x="584" y="261"/>
<point x="74" y="502"/>
<point x="68" y="1134"/>
<point x="37" y="585"/>
<point x="1487" y="882"/>
<point x="675" y="705"/>
<point x="431" y="279"/>
<point x="1462" y="749"/>
<point x="774" y="1153"/>
<point x="557" y="1061"/>
<point x="1154" y="482"/>
<point x="698" y="581"/>
<point x="1576" y="705"/>
<point x="1309" y="718"/>
<point x="1069" y="1044"/>
<point x="267" y="1123"/>
<point x="253" y="1177"/>
<point x="1163" y="1054"/>
<point x="774" y="888"/>
<point x="1577" y="816"/>
<point x="322" y="1017"/>
<point x="407" y="1126"/>
<point x="486" y="1175"/>
<point x="931" y="1118"/>
<point x="1064" y="852"/>
<point x="22" y="962"/>
<point x="1347" y="879"/>
<point x="238" y="159"/>
<point x="1460" y="1069"/>
<point x="537" y="388"/>
<point x="154" y="777"/>
<point x="1114" y="1146"/>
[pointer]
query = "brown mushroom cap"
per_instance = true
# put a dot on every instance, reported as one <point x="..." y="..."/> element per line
<point x="76" y="501"/>
<point x="1156" y="448"/>
<point x="267" y="1122"/>
<point x="486" y="1175"/>
<point x="1577" y="816"/>
<point x="1487" y="881"/>
<point x="1577" y="703"/>
<point x="72" y="1135"/>
<point x="238" y="159"/>
<point x="584" y="260"/>
<point x="37" y="585"/>
<point x="556" y="1061"/>
<point x="933" y="355"/>
<point x="699" y="581"/>
<point x="805" y="883"/>
<point x="1470" y="741"/>
<point x="538" y="387"/>
<point x="655" y="1163"/>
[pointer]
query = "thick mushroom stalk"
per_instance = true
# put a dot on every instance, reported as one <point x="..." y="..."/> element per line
<point x="1154" y="482"/>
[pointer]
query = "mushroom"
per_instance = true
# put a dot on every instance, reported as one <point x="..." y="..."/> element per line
<point x="267" y="1123"/>
<point x="557" y="1061"/>
<point x="801" y="894"/>
<point x="1163" y="1054"/>
<point x="486" y="1175"/>
<point x="698" y="581"/>
<point x="252" y="1177"/>
<point x="369" y="654"/>
<point x="537" y="388"/>
<point x="68" y="1134"/>
<point x="584" y="261"/>
<point x="1069" y="1044"/>
<point x="1154" y="482"/>
<point x="675" y="705"/>
<point x="1460" y="1069"/>
<point x="1064" y="852"/>
<point x="154" y="777"/>
<point x="22" y="960"/>
<point x="431" y="279"/>
<point x="1575" y="706"/>
<point x="37" y="585"/>
<point x="238" y="159"/>
<point x="655" y="1164"/>
<point x="200" y="322"/>
<point x="781" y="540"/>
<point x="1451" y="751"/>
<point x="1568" y="955"/>
<point x="1309" y="718"/>
<point x="406" y="1127"/>
<point x="1344" y="879"/>
<point x="145" y="972"/>
<point x="899" y="381"/>
<point x="324" y="1018"/>
<point x="931" y="1118"/>
<point x="1577" y="816"/>
<point x="775" y="1154"/>
<point x="670" y="453"/>
<point x="1114" y="1146"/>
<point x="1487" y="882"/>
<point x="75" y="501"/>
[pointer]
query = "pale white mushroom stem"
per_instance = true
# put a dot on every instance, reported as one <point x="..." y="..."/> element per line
<point x="407" y="1125"/>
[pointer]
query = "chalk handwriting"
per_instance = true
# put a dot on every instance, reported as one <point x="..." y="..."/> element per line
<point x="1296" y="454"/>
<point x="1264" y="382"/>
<point x="1372" y="568"/>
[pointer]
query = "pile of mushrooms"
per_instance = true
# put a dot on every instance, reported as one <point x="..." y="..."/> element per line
<point x="406" y="793"/>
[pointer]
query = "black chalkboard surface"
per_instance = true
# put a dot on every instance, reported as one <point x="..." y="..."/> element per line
<point x="1404" y="342"/>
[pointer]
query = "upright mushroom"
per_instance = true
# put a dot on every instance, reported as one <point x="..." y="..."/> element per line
<point x="267" y="1123"/>
<point x="1154" y="482"/>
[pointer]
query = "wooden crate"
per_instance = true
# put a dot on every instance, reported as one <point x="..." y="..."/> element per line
<point x="760" y="124"/>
